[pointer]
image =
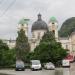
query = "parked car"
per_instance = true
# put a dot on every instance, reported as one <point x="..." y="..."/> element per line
<point x="65" y="63"/>
<point x="49" y="66"/>
<point x="20" y="65"/>
<point x="36" y="65"/>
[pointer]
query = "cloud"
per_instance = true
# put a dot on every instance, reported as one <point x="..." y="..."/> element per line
<point x="61" y="9"/>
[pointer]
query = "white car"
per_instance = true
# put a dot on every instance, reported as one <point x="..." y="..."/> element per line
<point x="49" y="65"/>
<point x="20" y="65"/>
<point x="65" y="63"/>
<point x="36" y="65"/>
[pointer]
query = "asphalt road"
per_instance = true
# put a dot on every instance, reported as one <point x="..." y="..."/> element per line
<point x="57" y="71"/>
<point x="65" y="71"/>
<point x="42" y="72"/>
<point x="62" y="71"/>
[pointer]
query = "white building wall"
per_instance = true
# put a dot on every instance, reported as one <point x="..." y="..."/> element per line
<point x="38" y="34"/>
<point x="24" y="27"/>
<point x="53" y="26"/>
<point x="66" y="43"/>
<point x="11" y="43"/>
<point x="72" y="38"/>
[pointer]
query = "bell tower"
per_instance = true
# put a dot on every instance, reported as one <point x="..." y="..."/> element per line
<point x="23" y="24"/>
<point x="53" y="26"/>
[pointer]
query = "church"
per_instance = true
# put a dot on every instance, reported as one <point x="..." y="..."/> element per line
<point x="39" y="27"/>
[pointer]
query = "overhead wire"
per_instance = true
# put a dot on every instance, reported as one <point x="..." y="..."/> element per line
<point x="8" y="7"/>
<point x="1" y="1"/>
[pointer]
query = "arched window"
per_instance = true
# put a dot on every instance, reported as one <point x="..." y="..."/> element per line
<point x="66" y="46"/>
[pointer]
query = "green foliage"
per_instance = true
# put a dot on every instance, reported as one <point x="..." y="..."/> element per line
<point x="49" y="50"/>
<point x="7" y="56"/>
<point x="48" y="37"/>
<point x="67" y="27"/>
<point x="22" y="45"/>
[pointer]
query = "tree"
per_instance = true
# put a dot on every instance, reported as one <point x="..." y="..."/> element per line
<point x="22" y="45"/>
<point x="7" y="56"/>
<point x="3" y="50"/>
<point x="11" y="57"/>
<point x="49" y="50"/>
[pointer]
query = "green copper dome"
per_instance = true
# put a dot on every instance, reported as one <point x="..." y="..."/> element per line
<point x="53" y="19"/>
<point x="23" y="21"/>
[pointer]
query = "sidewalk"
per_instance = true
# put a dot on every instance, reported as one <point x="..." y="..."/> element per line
<point x="11" y="72"/>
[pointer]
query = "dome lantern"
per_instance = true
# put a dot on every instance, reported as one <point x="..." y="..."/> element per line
<point x="39" y="17"/>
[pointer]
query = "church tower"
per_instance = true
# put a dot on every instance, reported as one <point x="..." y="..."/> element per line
<point x="23" y="24"/>
<point x="53" y="26"/>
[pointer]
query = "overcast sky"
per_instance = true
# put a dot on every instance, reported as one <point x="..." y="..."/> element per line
<point x="11" y="11"/>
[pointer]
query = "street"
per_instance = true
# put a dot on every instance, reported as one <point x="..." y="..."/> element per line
<point x="57" y="71"/>
<point x="28" y="72"/>
<point x="65" y="71"/>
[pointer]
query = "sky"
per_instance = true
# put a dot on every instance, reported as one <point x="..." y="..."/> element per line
<point x="12" y="11"/>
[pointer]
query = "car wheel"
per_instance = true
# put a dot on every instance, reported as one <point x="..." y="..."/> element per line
<point x="40" y="68"/>
<point x="32" y="69"/>
<point x="23" y="69"/>
<point x="16" y="69"/>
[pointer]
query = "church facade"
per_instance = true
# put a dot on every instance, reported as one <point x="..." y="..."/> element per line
<point x="39" y="27"/>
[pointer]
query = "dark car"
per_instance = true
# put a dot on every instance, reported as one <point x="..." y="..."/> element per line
<point x="20" y="65"/>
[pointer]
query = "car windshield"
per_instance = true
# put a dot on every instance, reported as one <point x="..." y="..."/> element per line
<point x="35" y="62"/>
<point x="19" y="63"/>
<point x="49" y="63"/>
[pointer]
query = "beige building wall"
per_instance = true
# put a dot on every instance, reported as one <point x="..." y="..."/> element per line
<point x="72" y="37"/>
<point x="66" y="43"/>
<point x="54" y="27"/>
<point x="36" y="36"/>
<point x="69" y="43"/>
<point x="24" y="27"/>
<point x="11" y="43"/>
